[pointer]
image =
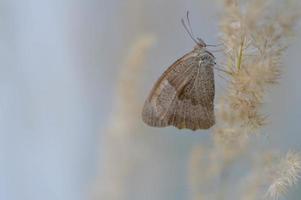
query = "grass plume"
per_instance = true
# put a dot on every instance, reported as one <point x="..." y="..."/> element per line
<point x="255" y="39"/>
<point x="283" y="174"/>
<point x="119" y="160"/>
<point x="255" y="35"/>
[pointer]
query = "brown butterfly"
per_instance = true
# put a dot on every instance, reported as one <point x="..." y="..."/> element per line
<point x="184" y="94"/>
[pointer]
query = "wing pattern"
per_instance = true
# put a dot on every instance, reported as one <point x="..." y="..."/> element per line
<point x="182" y="97"/>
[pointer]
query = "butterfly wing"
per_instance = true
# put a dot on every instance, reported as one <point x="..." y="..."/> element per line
<point x="182" y="97"/>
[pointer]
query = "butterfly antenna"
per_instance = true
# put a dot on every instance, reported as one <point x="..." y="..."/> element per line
<point x="188" y="31"/>
<point x="189" y="24"/>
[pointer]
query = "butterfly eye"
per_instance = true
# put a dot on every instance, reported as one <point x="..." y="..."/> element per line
<point x="205" y="57"/>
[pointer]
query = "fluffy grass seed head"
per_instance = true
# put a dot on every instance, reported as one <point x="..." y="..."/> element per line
<point x="284" y="175"/>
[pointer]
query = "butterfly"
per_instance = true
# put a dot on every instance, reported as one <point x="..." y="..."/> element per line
<point x="184" y="94"/>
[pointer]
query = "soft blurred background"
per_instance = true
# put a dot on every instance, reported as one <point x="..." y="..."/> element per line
<point x="60" y="66"/>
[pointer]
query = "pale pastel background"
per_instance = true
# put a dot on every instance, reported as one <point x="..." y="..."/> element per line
<point x="59" y="61"/>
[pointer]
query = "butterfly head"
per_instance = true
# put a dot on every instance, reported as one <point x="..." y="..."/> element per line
<point x="205" y="57"/>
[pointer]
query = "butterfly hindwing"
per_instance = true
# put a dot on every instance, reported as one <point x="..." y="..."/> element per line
<point x="182" y="97"/>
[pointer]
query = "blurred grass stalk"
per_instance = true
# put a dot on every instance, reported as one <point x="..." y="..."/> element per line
<point x="120" y="159"/>
<point x="255" y="35"/>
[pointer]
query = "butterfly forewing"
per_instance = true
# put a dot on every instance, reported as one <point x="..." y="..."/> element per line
<point x="183" y="96"/>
